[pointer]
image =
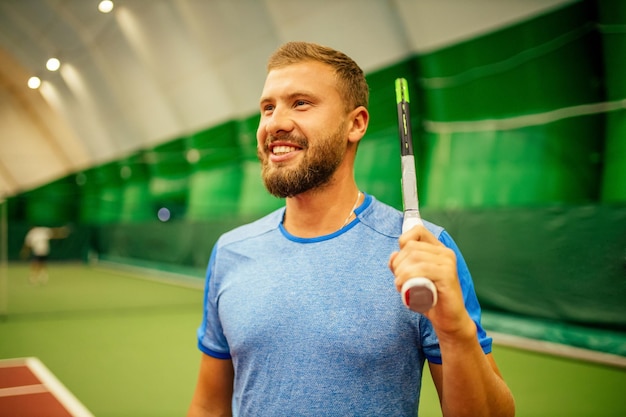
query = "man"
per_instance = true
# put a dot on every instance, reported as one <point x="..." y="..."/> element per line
<point x="37" y="241"/>
<point x="302" y="313"/>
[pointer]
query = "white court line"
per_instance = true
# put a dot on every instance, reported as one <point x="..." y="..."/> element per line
<point x="53" y="385"/>
<point x="22" y="390"/>
<point x="65" y="397"/>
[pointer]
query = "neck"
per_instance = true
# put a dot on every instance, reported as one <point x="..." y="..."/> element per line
<point x="352" y="213"/>
<point x="321" y="212"/>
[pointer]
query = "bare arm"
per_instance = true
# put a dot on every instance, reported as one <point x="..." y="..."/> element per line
<point x="214" y="390"/>
<point x="472" y="388"/>
<point x="25" y="251"/>
<point x="468" y="382"/>
<point x="60" y="232"/>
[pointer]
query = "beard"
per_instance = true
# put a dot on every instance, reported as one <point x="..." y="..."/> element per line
<point x="318" y="164"/>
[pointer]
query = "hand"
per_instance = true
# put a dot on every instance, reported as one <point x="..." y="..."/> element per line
<point x="422" y="255"/>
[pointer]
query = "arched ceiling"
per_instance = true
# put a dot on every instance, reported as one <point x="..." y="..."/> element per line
<point x="153" y="70"/>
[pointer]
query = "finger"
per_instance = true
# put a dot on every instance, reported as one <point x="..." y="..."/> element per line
<point x="422" y="259"/>
<point x="412" y="265"/>
<point x="405" y="272"/>
<point x="418" y="233"/>
<point x="392" y="257"/>
<point x="415" y="251"/>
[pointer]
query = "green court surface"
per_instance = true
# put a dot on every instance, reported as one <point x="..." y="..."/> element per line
<point x="125" y="345"/>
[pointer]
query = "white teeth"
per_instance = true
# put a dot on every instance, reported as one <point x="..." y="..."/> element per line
<point x="279" y="150"/>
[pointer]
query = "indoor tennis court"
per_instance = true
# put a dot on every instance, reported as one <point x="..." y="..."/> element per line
<point x="130" y="128"/>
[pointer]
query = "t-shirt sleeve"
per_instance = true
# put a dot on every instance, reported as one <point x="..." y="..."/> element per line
<point x="430" y="343"/>
<point x="211" y="339"/>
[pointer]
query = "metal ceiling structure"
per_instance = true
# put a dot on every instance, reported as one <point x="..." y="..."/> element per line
<point x="153" y="70"/>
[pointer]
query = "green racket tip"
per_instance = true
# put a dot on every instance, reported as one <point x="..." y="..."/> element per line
<point x="402" y="90"/>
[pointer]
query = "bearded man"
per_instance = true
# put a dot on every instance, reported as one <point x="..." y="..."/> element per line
<point x="302" y="315"/>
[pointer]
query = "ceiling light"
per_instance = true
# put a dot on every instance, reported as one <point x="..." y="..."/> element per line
<point x="34" y="83"/>
<point x="105" y="6"/>
<point x="53" y="64"/>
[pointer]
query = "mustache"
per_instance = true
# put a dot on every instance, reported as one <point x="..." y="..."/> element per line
<point x="300" y="141"/>
<point x="263" y="151"/>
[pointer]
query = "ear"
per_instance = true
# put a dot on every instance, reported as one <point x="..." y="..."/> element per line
<point x="358" y="119"/>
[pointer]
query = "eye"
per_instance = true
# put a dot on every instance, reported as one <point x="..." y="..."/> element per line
<point x="268" y="108"/>
<point x="301" y="103"/>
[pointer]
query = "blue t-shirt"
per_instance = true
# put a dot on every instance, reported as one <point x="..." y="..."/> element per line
<point x="316" y="326"/>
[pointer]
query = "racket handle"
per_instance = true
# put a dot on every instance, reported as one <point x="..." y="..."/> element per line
<point x="411" y="219"/>
<point x="419" y="294"/>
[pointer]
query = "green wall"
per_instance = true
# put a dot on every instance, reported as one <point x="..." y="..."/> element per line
<point x="612" y="25"/>
<point x="496" y="124"/>
<point x="494" y="82"/>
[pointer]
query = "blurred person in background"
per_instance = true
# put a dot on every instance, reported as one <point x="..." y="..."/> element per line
<point x="37" y="244"/>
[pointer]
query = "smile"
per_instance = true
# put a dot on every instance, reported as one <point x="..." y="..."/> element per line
<point x="282" y="150"/>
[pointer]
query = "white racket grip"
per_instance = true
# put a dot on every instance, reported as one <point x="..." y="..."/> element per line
<point x="411" y="219"/>
<point x="419" y="294"/>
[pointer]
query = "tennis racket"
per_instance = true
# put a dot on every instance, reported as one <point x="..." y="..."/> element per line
<point x="418" y="294"/>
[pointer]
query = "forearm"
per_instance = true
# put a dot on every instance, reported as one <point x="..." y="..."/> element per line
<point x="471" y="384"/>
<point x="196" y="410"/>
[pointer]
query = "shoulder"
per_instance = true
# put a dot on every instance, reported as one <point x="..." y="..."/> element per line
<point x="252" y="230"/>
<point x="39" y="232"/>
<point x="387" y="220"/>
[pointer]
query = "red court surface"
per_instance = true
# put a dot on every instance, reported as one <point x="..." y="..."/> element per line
<point x="29" y="389"/>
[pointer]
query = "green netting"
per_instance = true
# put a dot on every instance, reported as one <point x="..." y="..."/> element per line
<point x="612" y="23"/>
<point x="215" y="184"/>
<point x="382" y="106"/>
<point x="100" y="194"/>
<point x="216" y="146"/>
<point x="552" y="163"/>
<point x="255" y="201"/>
<point x="555" y="331"/>
<point x="137" y="202"/>
<point x="53" y="204"/>
<point x="555" y="262"/>
<point x="538" y="65"/>
<point x="246" y="129"/>
<point x="525" y="69"/>
<point x="614" y="179"/>
<point x="377" y="169"/>
<point x="89" y="196"/>
<point x="169" y="172"/>
<point x="16" y="209"/>
<point x="184" y="244"/>
<point x="215" y="193"/>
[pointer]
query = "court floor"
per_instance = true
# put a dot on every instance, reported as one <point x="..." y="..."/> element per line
<point x="123" y="345"/>
<point x="27" y="387"/>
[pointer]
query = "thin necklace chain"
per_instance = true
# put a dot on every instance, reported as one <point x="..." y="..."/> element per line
<point x="358" y="196"/>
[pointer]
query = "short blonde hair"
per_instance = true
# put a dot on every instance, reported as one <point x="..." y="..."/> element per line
<point x="351" y="81"/>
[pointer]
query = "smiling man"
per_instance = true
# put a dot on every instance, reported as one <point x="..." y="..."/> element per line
<point x="302" y="316"/>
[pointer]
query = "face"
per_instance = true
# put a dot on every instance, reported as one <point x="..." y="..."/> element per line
<point x="302" y="137"/>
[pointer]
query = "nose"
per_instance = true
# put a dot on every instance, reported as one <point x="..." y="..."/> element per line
<point x="278" y="122"/>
